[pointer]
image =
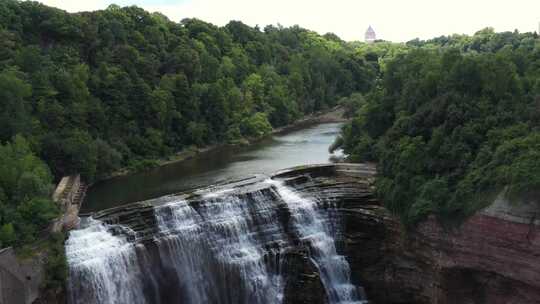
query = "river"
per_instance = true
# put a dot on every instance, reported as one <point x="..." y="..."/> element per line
<point x="301" y="147"/>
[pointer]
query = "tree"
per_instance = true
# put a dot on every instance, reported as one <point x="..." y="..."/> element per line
<point x="450" y="128"/>
<point x="256" y="126"/>
<point x="25" y="188"/>
<point x="71" y="153"/>
<point x="97" y="91"/>
<point x="14" y="116"/>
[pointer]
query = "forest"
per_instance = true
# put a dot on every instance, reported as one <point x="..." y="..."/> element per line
<point x="452" y="123"/>
<point x="94" y="92"/>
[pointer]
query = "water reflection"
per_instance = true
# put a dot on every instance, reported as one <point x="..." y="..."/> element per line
<point x="307" y="146"/>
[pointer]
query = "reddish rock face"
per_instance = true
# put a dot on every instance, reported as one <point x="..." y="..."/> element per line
<point x="488" y="260"/>
<point x="494" y="257"/>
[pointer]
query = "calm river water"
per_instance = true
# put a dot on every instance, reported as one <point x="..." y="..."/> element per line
<point x="306" y="146"/>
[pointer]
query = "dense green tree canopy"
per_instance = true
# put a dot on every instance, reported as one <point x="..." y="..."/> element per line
<point x="99" y="90"/>
<point x="25" y="188"/>
<point x="450" y="121"/>
<point x="453" y="121"/>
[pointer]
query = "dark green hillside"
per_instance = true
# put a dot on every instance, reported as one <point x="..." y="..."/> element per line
<point x="96" y="91"/>
<point x="452" y="123"/>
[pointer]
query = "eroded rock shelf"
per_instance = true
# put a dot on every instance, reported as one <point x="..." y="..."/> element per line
<point x="491" y="258"/>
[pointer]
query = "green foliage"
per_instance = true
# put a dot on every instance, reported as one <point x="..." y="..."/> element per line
<point x="380" y="53"/>
<point x="71" y="152"/>
<point x="7" y="235"/>
<point x="109" y="160"/>
<point x="14" y="112"/>
<point x="56" y="268"/>
<point x="37" y="212"/>
<point x="352" y="103"/>
<point x="143" y="165"/>
<point x="25" y="187"/>
<point x="453" y="121"/>
<point x="95" y="91"/>
<point x="256" y="126"/>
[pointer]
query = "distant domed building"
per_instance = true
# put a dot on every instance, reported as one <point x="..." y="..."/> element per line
<point x="370" y="35"/>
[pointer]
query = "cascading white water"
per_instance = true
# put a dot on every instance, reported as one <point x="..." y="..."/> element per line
<point x="312" y="227"/>
<point x="217" y="249"/>
<point x="224" y="249"/>
<point x="103" y="268"/>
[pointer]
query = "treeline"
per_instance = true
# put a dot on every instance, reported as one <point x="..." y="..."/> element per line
<point x="90" y="93"/>
<point x="453" y="122"/>
<point x="93" y="92"/>
<point x="25" y="187"/>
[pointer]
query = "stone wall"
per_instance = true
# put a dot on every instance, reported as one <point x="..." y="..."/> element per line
<point x="19" y="279"/>
<point x="69" y="195"/>
<point x="65" y="190"/>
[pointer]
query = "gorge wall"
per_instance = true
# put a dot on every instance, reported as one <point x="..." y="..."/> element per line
<point x="492" y="258"/>
<point x="20" y="279"/>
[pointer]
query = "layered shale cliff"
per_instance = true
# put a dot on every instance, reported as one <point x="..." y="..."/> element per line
<point x="492" y="258"/>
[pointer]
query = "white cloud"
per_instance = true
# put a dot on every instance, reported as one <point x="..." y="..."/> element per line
<point x="396" y="20"/>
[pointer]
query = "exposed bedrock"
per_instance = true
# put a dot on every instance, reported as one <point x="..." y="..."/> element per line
<point x="494" y="257"/>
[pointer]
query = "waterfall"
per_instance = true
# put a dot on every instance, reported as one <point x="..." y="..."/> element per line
<point x="217" y="249"/>
<point x="103" y="268"/>
<point x="223" y="248"/>
<point x="316" y="230"/>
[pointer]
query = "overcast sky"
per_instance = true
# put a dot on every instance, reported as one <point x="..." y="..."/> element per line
<point x="395" y="20"/>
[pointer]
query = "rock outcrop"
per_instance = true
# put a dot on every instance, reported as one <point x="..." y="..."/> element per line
<point x="494" y="257"/>
<point x="22" y="279"/>
<point x="68" y="195"/>
<point x="19" y="279"/>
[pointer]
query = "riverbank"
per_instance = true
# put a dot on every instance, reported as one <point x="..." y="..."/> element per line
<point x="308" y="145"/>
<point x="333" y="115"/>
